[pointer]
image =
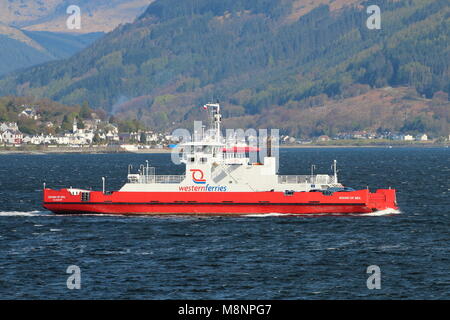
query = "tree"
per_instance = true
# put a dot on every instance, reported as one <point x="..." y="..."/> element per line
<point x="80" y="123"/>
<point x="67" y="123"/>
<point x="97" y="139"/>
<point x="3" y="113"/>
<point x="416" y="125"/>
<point x="27" y="126"/>
<point x="143" y="137"/>
<point x="415" y="75"/>
<point x="85" y="112"/>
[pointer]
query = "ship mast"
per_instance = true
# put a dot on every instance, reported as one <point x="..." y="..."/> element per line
<point x="216" y="119"/>
<point x="335" y="171"/>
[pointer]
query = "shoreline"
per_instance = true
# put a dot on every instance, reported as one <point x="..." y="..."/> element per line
<point x="77" y="151"/>
<point x="102" y="150"/>
<point x="421" y="145"/>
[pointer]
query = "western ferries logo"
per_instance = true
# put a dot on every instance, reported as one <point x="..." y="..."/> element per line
<point x="197" y="176"/>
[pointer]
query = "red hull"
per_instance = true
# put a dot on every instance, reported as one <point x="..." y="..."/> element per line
<point x="219" y="203"/>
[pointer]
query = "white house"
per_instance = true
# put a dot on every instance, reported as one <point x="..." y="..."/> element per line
<point x="37" y="139"/>
<point x="78" y="136"/>
<point x="29" y="112"/>
<point x="112" y="136"/>
<point x="12" y="136"/>
<point x="27" y="139"/>
<point x="62" y="140"/>
<point x="8" y="125"/>
<point x="91" y="124"/>
<point x="151" y="137"/>
<point x="408" y="137"/>
<point x="422" y="137"/>
<point x="323" y="138"/>
<point x="112" y="133"/>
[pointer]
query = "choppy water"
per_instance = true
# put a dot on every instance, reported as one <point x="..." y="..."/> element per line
<point x="268" y="257"/>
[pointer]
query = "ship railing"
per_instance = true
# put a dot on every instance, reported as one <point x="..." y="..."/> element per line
<point x="136" y="178"/>
<point x="166" y="179"/>
<point x="315" y="179"/>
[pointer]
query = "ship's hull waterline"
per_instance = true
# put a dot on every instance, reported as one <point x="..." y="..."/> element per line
<point x="224" y="203"/>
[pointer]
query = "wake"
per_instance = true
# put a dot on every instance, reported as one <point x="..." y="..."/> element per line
<point x="380" y="213"/>
<point x="24" y="213"/>
<point x="385" y="212"/>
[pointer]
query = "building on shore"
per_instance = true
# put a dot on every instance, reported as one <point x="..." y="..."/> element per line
<point x="8" y="125"/>
<point x="29" y="112"/>
<point x="12" y="137"/>
<point x="422" y="137"/>
<point x="408" y="137"/>
<point x="323" y="138"/>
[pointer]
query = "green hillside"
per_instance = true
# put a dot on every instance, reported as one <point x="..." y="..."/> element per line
<point x="252" y="57"/>
<point x="63" y="45"/>
<point x="15" y="54"/>
<point x="18" y="55"/>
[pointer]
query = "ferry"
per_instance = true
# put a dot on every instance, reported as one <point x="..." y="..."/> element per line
<point x="221" y="179"/>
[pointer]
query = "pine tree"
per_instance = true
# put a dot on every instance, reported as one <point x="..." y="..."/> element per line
<point x="85" y="111"/>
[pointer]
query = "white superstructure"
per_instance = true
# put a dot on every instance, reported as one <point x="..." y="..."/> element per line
<point x="214" y="164"/>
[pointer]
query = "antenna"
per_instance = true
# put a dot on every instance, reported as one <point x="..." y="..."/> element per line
<point x="335" y="171"/>
<point x="313" y="167"/>
<point x="216" y="118"/>
<point x="269" y="146"/>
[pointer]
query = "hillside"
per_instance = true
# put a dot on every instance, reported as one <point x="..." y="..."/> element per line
<point x="15" y="54"/>
<point x="381" y="110"/>
<point x="33" y="32"/>
<point x="265" y="60"/>
<point x="22" y="49"/>
<point x="51" y="16"/>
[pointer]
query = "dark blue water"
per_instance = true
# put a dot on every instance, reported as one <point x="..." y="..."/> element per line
<point x="226" y="257"/>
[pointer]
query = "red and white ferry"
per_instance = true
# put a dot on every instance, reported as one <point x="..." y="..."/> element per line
<point x="220" y="180"/>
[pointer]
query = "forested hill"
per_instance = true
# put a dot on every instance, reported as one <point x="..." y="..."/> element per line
<point x="256" y="57"/>
<point x="33" y="32"/>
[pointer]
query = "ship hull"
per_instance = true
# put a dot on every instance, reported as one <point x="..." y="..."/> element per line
<point x="226" y="203"/>
<point x="204" y="209"/>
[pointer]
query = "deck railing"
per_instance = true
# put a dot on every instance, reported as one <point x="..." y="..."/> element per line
<point x="136" y="178"/>
<point x="316" y="179"/>
<point x="167" y="179"/>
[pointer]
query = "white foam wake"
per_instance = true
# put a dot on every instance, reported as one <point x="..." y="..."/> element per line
<point x="23" y="213"/>
<point x="384" y="212"/>
<point x="262" y="215"/>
